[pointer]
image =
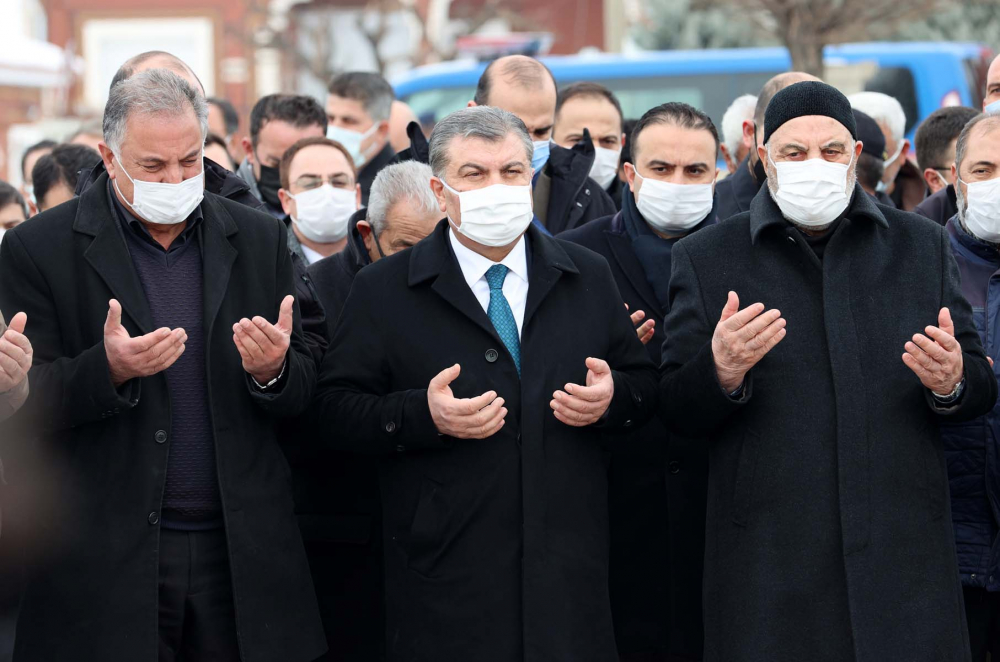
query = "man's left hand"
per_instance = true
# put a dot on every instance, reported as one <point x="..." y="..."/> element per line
<point x="580" y="406"/>
<point x="263" y="345"/>
<point x="936" y="358"/>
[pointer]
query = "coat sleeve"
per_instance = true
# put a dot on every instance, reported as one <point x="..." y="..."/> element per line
<point x="354" y="408"/>
<point x="12" y="400"/>
<point x="980" y="392"/>
<point x="634" y="374"/>
<point x="65" y="391"/>
<point x="692" y="402"/>
<point x="297" y="385"/>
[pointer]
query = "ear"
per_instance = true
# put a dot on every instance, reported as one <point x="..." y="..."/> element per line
<point x="471" y="104"/>
<point x="108" y="157"/>
<point x="748" y="140"/>
<point x="357" y="196"/>
<point x="903" y="153"/>
<point x="438" y="189"/>
<point x="247" y="149"/>
<point x="365" y="230"/>
<point x="731" y="164"/>
<point x="858" y="146"/>
<point x="287" y="202"/>
<point x="383" y="131"/>
<point x="954" y="173"/>
<point x="762" y="154"/>
<point x="630" y="176"/>
<point x="624" y="138"/>
<point x="931" y="180"/>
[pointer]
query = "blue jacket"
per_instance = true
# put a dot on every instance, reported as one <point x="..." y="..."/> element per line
<point x="972" y="449"/>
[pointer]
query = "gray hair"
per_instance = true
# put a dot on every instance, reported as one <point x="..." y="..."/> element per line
<point x="484" y="122"/>
<point x="732" y="121"/>
<point x="152" y="92"/>
<point x="881" y="108"/>
<point x="408" y="182"/>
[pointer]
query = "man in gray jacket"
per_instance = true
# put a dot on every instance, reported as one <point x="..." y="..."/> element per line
<point x="15" y="361"/>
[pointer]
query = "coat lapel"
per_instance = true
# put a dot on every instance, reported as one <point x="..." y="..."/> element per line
<point x="548" y="262"/>
<point x="218" y="255"/>
<point x="433" y="259"/>
<point x="109" y="255"/>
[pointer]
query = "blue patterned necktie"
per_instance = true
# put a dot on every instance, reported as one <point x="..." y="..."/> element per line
<point x="500" y="314"/>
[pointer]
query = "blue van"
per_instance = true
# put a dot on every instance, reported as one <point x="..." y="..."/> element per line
<point x="923" y="76"/>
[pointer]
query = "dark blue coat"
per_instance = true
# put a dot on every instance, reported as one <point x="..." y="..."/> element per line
<point x="971" y="448"/>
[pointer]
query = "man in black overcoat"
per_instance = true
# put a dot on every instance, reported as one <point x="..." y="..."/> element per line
<point x="168" y="529"/>
<point x="657" y="482"/>
<point x="491" y="395"/>
<point x="828" y="530"/>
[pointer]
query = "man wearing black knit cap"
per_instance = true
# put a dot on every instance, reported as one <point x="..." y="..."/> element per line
<point x="820" y="397"/>
<point x="871" y="161"/>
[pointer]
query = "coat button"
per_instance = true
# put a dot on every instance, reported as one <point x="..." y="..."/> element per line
<point x="674" y="467"/>
<point x="638" y="398"/>
<point x="400" y="448"/>
<point x="160" y="436"/>
<point x="390" y="427"/>
<point x="492" y="356"/>
<point x="154" y="517"/>
<point x="791" y="239"/>
<point x="628" y="423"/>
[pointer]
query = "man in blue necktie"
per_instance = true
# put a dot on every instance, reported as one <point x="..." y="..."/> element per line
<point x="490" y="367"/>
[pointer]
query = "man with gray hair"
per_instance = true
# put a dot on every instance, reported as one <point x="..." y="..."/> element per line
<point x="218" y="179"/>
<point x="337" y="493"/>
<point x="973" y="474"/>
<point x="734" y="145"/>
<point x="465" y="368"/>
<point x="157" y="383"/>
<point x="358" y="107"/>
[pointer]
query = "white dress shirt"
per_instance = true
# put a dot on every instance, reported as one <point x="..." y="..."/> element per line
<point x="312" y="257"/>
<point x="515" y="286"/>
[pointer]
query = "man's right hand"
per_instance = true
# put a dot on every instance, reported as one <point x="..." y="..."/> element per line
<point x="742" y="338"/>
<point x="143" y="356"/>
<point x="471" y="418"/>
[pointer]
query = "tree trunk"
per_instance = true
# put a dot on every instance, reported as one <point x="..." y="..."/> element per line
<point x="807" y="56"/>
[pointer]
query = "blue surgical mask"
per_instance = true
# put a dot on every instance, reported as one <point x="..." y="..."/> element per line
<point x="541" y="155"/>
<point x="993" y="108"/>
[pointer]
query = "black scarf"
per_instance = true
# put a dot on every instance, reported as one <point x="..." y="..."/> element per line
<point x="652" y="250"/>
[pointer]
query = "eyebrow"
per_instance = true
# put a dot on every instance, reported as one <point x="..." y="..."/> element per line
<point x="544" y="129"/>
<point x="313" y="175"/>
<point x="988" y="164"/>
<point x="835" y="143"/>
<point x="157" y="160"/>
<point x="793" y="146"/>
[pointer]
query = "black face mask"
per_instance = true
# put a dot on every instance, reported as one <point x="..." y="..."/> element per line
<point x="268" y="183"/>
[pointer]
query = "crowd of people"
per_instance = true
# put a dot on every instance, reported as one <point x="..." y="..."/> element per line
<point x="544" y="385"/>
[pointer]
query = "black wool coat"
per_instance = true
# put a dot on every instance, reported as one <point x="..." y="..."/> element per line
<point x="657" y="486"/>
<point x="828" y="531"/>
<point x="495" y="549"/>
<point x="92" y="590"/>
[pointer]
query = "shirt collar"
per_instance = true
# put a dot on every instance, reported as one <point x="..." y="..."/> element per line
<point x="474" y="266"/>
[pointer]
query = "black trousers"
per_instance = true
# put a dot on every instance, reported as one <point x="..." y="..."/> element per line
<point x="197" y="614"/>
<point x="982" y="613"/>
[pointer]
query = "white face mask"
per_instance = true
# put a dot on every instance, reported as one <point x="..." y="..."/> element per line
<point x="672" y="208"/>
<point x="982" y="215"/>
<point x="2" y="233"/>
<point x="494" y="216"/>
<point x="165" y="204"/>
<point x="811" y="193"/>
<point x="605" y="167"/>
<point x="351" y="140"/>
<point x="322" y="214"/>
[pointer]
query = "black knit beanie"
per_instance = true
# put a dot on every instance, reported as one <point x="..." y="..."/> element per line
<point x="809" y="97"/>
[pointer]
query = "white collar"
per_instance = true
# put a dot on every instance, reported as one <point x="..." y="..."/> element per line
<point x="474" y="266"/>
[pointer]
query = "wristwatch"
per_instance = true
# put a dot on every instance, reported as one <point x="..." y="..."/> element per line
<point x="951" y="397"/>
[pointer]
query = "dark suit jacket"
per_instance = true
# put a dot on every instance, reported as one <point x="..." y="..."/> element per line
<point x="828" y="524"/>
<point x="496" y="549"/>
<point x="95" y="585"/>
<point x="657" y="489"/>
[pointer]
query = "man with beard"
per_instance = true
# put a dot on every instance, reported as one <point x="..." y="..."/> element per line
<point x="828" y="528"/>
